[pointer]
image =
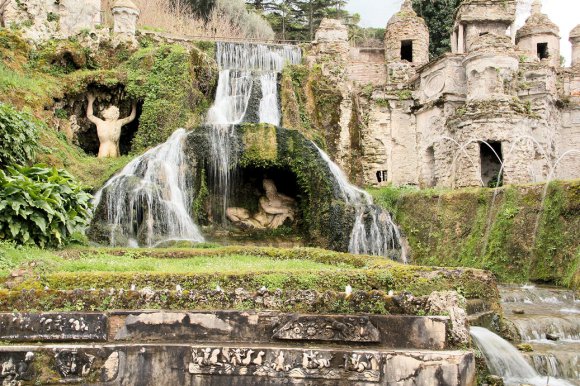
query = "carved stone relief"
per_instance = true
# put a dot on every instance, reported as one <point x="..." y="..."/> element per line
<point x="308" y="364"/>
<point x="73" y="364"/>
<point x="346" y="329"/>
<point x="434" y="84"/>
<point x="16" y="367"/>
<point x="52" y="327"/>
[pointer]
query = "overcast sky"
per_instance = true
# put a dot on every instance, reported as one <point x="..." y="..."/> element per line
<point x="565" y="13"/>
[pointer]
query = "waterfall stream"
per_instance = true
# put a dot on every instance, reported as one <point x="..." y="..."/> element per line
<point x="505" y="360"/>
<point x="242" y="67"/>
<point x="374" y="231"/>
<point x="148" y="201"/>
<point x="548" y="319"/>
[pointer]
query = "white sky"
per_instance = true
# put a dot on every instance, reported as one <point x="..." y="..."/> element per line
<point x="565" y="13"/>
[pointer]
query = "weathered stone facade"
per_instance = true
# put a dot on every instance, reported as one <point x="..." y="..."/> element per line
<point x="125" y="16"/>
<point x="235" y="348"/>
<point x="489" y="111"/>
<point x="45" y="19"/>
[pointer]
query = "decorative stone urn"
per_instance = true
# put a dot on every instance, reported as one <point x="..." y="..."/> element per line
<point x="125" y="16"/>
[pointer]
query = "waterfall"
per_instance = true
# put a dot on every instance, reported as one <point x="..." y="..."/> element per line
<point x="544" y="314"/>
<point x="374" y="232"/>
<point x="242" y="66"/>
<point x="506" y="361"/>
<point x="149" y="202"/>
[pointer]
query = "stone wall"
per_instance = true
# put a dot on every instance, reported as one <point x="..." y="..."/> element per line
<point x="232" y="347"/>
<point x="367" y="66"/>
<point x="45" y="19"/>
<point x="463" y="118"/>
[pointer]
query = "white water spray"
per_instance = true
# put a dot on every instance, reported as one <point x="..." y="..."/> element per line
<point x="241" y="67"/>
<point x="506" y="361"/>
<point x="374" y="232"/>
<point x="148" y="201"/>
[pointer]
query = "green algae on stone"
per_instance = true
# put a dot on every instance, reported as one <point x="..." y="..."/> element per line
<point x="519" y="237"/>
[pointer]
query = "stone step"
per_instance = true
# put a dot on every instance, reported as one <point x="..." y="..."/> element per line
<point x="227" y="327"/>
<point x="171" y="364"/>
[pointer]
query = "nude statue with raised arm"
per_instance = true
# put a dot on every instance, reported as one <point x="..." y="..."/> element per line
<point x="109" y="129"/>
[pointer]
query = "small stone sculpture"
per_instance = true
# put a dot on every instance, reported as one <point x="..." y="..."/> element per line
<point x="109" y="129"/>
<point x="275" y="209"/>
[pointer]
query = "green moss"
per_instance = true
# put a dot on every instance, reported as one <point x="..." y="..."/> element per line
<point x="230" y="268"/>
<point x="260" y="145"/>
<point x="511" y="231"/>
<point x="296" y="113"/>
<point x="201" y="203"/>
<point x="160" y="77"/>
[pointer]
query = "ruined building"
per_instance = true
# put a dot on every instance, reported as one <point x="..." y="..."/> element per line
<point x="500" y="104"/>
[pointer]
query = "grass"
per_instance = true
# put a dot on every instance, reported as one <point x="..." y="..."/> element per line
<point x="91" y="171"/>
<point x="230" y="267"/>
<point x="24" y="90"/>
<point x="140" y="261"/>
<point x="202" y="265"/>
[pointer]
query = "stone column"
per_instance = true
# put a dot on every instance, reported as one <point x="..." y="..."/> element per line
<point x="125" y="16"/>
<point x="575" y="40"/>
<point x="454" y="42"/>
<point x="461" y="40"/>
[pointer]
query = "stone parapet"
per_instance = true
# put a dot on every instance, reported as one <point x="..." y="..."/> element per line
<point x="195" y="364"/>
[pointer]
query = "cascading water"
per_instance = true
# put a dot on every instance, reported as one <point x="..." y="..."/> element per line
<point x="242" y="66"/>
<point x="374" y="231"/>
<point x="506" y="361"/>
<point x="547" y="318"/>
<point x="148" y="201"/>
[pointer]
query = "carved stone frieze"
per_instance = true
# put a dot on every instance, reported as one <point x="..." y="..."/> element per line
<point x="53" y="327"/>
<point x="277" y="363"/>
<point x="16" y="367"/>
<point x="73" y="363"/>
<point x="335" y="328"/>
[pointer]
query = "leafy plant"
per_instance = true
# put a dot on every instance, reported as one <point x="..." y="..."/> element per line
<point x="18" y="135"/>
<point x="40" y="205"/>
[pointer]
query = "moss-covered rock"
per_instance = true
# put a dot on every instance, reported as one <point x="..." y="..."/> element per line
<point x="515" y="232"/>
<point x="324" y="218"/>
<point x="175" y="85"/>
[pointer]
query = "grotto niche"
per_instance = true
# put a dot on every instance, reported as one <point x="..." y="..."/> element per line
<point x="273" y="210"/>
<point x="83" y="133"/>
<point x="110" y="127"/>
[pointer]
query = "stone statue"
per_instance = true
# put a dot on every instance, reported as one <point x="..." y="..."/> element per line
<point x="275" y="209"/>
<point x="109" y="129"/>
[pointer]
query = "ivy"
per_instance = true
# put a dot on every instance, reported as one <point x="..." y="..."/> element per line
<point x="19" y="136"/>
<point x="40" y="205"/>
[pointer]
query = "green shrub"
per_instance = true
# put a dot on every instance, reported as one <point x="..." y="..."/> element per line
<point x="40" y="205"/>
<point x="18" y="135"/>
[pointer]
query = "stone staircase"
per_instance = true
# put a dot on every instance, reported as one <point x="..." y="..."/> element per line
<point x="229" y="348"/>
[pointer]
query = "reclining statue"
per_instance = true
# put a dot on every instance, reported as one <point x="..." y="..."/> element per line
<point x="109" y="129"/>
<point x="275" y="208"/>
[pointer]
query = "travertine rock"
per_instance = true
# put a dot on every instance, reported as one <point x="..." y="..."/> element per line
<point x="539" y="30"/>
<point x="45" y="19"/>
<point x="454" y="304"/>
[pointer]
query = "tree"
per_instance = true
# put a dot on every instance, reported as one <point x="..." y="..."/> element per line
<point x="439" y="16"/>
<point x="201" y="8"/>
<point x="298" y="19"/>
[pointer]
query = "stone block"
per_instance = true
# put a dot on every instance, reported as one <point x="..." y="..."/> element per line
<point x="394" y="331"/>
<point x="27" y="327"/>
